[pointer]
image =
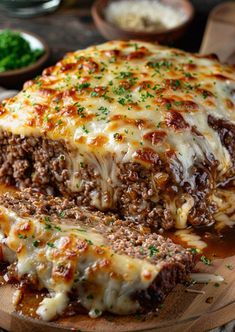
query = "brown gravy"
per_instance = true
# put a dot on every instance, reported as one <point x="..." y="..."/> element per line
<point x="219" y="244"/>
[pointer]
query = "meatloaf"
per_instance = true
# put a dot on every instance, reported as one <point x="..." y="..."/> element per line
<point x="143" y="130"/>
<point x="106" y="264"/>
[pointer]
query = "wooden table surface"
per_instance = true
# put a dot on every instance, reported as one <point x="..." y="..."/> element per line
<point x="71" y="27"/>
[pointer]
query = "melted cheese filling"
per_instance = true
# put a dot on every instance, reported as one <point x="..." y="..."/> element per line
<point x="192" y="240"/>
<point x="67" y="258"/>
<point x="226" y="213"/>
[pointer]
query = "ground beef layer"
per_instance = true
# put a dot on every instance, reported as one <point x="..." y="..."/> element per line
<point x="149" y="196"/>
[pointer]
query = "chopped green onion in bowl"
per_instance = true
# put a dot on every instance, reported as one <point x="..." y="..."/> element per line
<point x="16" y="52"/>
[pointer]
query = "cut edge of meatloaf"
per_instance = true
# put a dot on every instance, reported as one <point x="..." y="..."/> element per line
<point x="152" y="196"/>
<point x="111" y="265"/>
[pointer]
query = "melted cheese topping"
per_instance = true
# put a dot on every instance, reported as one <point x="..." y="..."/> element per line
<point x="123" y="97"/>
<point x="64" y="258"/>
<point x="128" y="102"/>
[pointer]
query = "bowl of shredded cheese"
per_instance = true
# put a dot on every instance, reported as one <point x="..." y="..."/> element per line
<point x="152" y="20"/>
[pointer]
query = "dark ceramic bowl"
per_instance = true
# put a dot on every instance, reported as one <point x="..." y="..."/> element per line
<point x="15" y="78"/>
<point x="112" y="31"/>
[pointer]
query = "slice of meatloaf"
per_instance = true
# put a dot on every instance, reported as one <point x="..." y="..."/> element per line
<point x="108" y="264"/>
<point x="136" y="128"/>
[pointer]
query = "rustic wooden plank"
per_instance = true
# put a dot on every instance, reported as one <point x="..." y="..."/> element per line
<point x="219" y="37"/>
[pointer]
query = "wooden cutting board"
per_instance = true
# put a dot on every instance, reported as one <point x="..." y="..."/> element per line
<point x="211" y="307"/>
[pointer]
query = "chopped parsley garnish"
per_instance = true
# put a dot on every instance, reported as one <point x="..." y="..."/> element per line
<point x="120" y="90"/>
<point x="103" y="110"/>
<point x="102" y="114"/>
<point x="176" y="84"/>
<point x="113" y="59"/>
<point x="152" y="251"/>
<point x="62" y="214"/>
<point x="168" y="106"/>
<point x="89" y="241"/>
<point x="39" y="83"/>
<point x="157" y="87"/>
<point x="36" y="243"/>
<point x="94" y="94"/>
<point x="205" y="260"/>
<point x="216" y="284"/>
<point x="22" y="237"/>
<point x="122" y="101"/>
<point x="58" y="228"/>
<point x="188" y="75"/>
<point x="117" y="136"/>
<point x="81" y="230"/>
<point x="46" y="119"/>
<point x="51" y="245"/>
<point x="47" y="221"/>
<point x="205" y="94"/>
<point x="124" y="74"/>
<point x="59" y="122"/>
<point x="157" y="65"/>
<point x="178" y="103"/>
<point x="145" y="95"/>
<point x="85" y="129"/>
<point x="83" y="86"/>
<point x="48" y="226"/>
<point x="194" y="251"/>
<point x="135" y="45"/>
<point x="188" y="87"/>
<point x="80" y="110"/>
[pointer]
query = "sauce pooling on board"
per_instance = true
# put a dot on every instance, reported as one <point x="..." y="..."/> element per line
<point x="219" y="244"/>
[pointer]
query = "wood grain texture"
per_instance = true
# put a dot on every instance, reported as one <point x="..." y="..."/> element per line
<point x="219" y="37"/>
<point x="182" y="311"/>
